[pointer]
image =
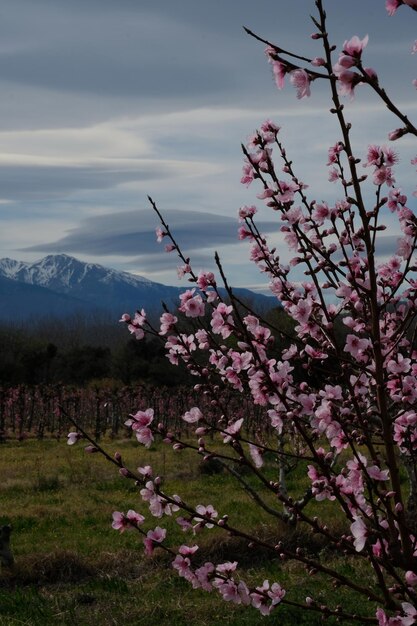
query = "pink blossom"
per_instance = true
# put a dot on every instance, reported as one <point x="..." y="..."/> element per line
<point x="140" y="422"/>
<point x="138" y="332"/>
<point x="302" y="310"/>
<point x="315" y="353"/>
<point x="286" y="191"/>
<point x="390" y="156"/>
<point x="399" y="366"/>
<point x="182" y="565"/>
<point x="383" y="175"/>
<point x="160" y="234"/>
<point x="276" y="420"/>
<point x="356" y="346"/>
<point x="206" y="512"/>
<point x="135" y="326"/>
<point x="183" y="269"/>
<point x="146" y="470"/>
<point x="205" y="280"/>
<point x="153" y="537"/>
<point x="222" y="321"/>
<point x="269" y="131"/>
<point x="140" y="419"/>
<point x="90" y="449"/>
<point x="203" y="575"/>
<point x="410" y="612"/>
<point x="294" y="214"/>
<point x="411" y="578"/>
<point x="244" y="233"/>
<point x="404" y="247"/>
<point x="334" y="151"/>
<point x="129" y="521"/>
<point x="397" y="134"/>
<point x="383" y="620"/>
<point x="301" y="81"/>
<point x="241" y="360"/>
<point x="145" y="436"/>
<point x="247" y="211"/>
<point x="319" y="485"/>
<point x="279" y="71"/>
<point x="184" y="524"/>
<point x="259" y="601"/>
<point x="226" y="568"/>
<point x="248" y="174"/>
<point x="333" y="175"/>
<point x="318" y="61"/>
<point x="202" y="338"/>
<point x="392" y="5"/>
<point x="396" y="199"/>
<point x="376" y="473"/>
<point x="321" y="212"/>
<point x="276" y="593"/>
<point x="193" y="415"/>
<point x="359" y="532"/>
<point x="168" y="322"/>
<point x="348" y="80"/>
<point x="134" y="518"/>
<point x="192" y="305"/>
<point x="345" y="61"/>
<point x="232" y="429"/>
<point x="262" y="594"/>
<point x="355" y="46"/>
<point x="374" y="156"/>
<point x="119" y="521"/>
<point x="229" y="591"/>
<point x="257" y="455"/>
<point x="73" y="438"/>
<point x="187" y="550"/>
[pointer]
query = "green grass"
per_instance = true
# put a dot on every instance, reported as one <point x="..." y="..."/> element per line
<point x="73" y="569"/>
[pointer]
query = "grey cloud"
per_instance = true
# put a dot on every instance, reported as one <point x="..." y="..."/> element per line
<point x="154" y="264"/>
<point x="30" y="182"/>
<point x="109" y="76"/>
<point x="132" y="232"/>
<point x="143" y="50"/>
<point x="134" y="50"/>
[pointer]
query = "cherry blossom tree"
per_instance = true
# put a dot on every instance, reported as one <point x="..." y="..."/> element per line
<point x="339" y="394"/>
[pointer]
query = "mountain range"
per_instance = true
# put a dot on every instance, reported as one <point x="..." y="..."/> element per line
<point x="61" y="285"/>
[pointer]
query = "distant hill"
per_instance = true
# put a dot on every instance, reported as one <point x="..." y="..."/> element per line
<point x="19" y="301"/>
<point x="61" y="285"/>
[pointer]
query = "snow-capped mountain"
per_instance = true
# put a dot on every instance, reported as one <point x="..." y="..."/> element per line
<point x="61" y="284"/>
<point x="64" y="273"/>
<point x="102" y="288"/>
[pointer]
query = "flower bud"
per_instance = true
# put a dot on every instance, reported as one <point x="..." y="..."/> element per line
<point x="397" y="134"/>
<point x="90" y="449"/>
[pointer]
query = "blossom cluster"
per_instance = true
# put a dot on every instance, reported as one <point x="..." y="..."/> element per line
<point x="337" y="385"/>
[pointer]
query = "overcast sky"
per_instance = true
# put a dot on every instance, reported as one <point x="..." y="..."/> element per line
<point x="106" y="101"/>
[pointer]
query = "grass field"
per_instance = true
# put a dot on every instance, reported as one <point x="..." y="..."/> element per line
<point x="72" y="568"/>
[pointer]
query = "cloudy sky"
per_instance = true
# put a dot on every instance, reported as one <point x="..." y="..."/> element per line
<point x="106" y="101"/>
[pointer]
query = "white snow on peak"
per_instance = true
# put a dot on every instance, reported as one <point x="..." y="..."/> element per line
<point x="9" y="267"/>
<point x="64" y="272"/>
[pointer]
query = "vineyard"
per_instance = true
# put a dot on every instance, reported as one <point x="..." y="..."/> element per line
<point x="45" y="411"/>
